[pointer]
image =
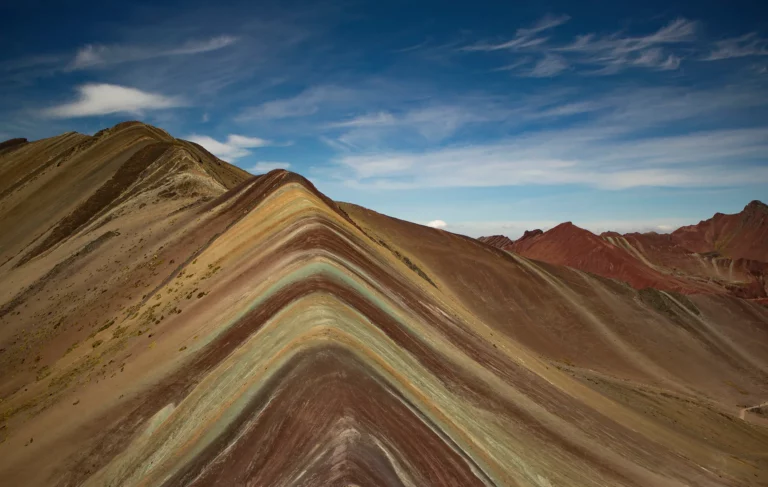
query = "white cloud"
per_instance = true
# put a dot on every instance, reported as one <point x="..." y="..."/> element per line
<point x="656" y="58"/>
<point x="747" y="45"/>
<point x="515" y="65"/>
<point x="615" y="52"/>
<point x="93" y="55"/>
<point x="551" y="65"/>
<point x="196" y="47"/>
<point x="262" y="167"/>
<point x="568" y="109"/>
<point x="305" y="103"/>
<point x="235" y="147"/>
<point x="414" y="47"/>
<point x="380" y="118"/>
<point x="545" y="23"/>
<point x="670" y="64"/>
<point x="603" y="54"/>
<point x="102" y="99"/>
<point x="524" y="37"/>
<point x="437" y="224"/>
<point x="334" y="144"/>
<point x="679" y="30"/>
<point x="439" y="122"/>
<point x="431" y="124"/>
<point x="578" y="157"/>
<point x="243" y="141"/>
<point x="88" y="55"/>
<point x="616" y="45"/>
<point x="517" y="43"/>
<point x="630" y="139"/>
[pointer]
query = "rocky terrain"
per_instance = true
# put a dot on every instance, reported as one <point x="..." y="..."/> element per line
<point x="740" y="236"/>
<point x="725" y="254"/>
<point x="169" y="319"/>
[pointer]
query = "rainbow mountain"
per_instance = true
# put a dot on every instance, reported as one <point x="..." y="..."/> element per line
<point x="167" y="318"/>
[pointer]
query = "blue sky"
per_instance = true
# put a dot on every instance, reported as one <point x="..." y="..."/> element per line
<point x="492" y="117"/>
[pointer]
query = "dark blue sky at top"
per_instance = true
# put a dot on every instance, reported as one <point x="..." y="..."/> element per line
<point x="491" y="116"/>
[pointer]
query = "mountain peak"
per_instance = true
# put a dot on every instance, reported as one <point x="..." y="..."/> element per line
<point x="499" y="241"/>
<point x="136" y="124"/>
<point x="12" y="144"/>
<point x="756" y="205"/>
<point x="738" y="236"/>
<point x="530" y="234"/>
<point x="570" y="228"/>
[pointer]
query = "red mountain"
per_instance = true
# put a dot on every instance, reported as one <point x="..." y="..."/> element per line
<point x="569" y="245"/>
<point x="727" y="253"/>
<point x="743" y="277"/>
<point x="743" y="235"/>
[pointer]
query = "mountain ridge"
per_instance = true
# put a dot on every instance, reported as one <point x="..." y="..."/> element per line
<point x="246" y="328"/>
<point x="739" y="236"/>
<point x="715" y="255"/>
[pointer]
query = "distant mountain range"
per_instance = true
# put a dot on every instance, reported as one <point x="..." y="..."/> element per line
<point x="725" y="254"/>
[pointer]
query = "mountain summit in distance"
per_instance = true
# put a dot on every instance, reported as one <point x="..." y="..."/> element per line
<point x="167" y="318"/>
<point x="743" y="235"/>
<point x="725" y="254"/>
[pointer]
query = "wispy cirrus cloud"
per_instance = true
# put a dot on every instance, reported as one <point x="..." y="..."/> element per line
<point x="618" y="112"/>
<point x="568" y="109"/>
<point x="231" y="149"/>
<point x="600" y="54"/>
<point x="366" y="120"/>
<point x="550" y="65"/>
<point x="102" y="99"/>
<point x="527" y="37"/>
<point x="355" y="117"/>
<point x="428" y="124"/>
<point x="616" y="51"/>
<point x="614" y="149"/>
<point x="530" y="162"/>
<point x="97" y="55"/>
<point x="308" y="102"/>
<point x="747" y="45"/>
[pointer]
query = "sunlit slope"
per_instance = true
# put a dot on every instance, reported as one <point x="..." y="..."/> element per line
<point x="52" y="187"/>
<point x="258" y="333"/>
<point x="662" y="354"/>
<point x="738" y="236"/>
<point x="708" y="258"/>
<point x="738" y="276"/>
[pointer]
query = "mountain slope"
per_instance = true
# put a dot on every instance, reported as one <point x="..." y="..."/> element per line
<point x="742" y="235"/>
<point x="741" y="277"/>
<point x="69" y="179"/>
<point x="256" y="332"/>
<point x="686" y="260"/>
<point x="567" y="244"/>
<point x="499" y="241"/>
